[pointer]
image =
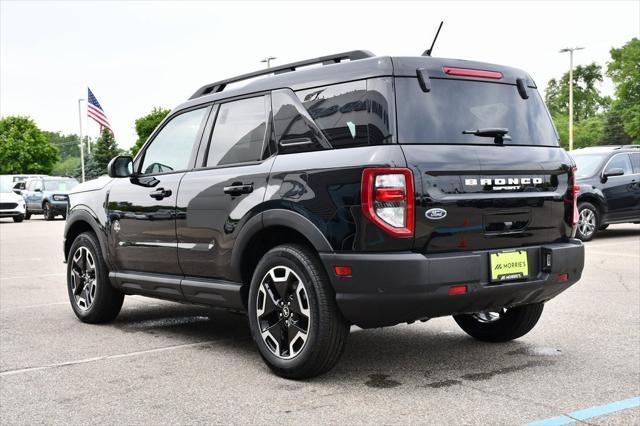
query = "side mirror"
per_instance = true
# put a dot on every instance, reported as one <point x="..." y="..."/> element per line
<point x="612" y="172"/>
<point x="37" y="190"/>
<point x="120" y="166"/>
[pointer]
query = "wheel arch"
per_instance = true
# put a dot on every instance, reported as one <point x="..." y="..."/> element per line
<point x="270" y="229"/>
<point x="77" y="223"/>
<point x="597" y="202"/>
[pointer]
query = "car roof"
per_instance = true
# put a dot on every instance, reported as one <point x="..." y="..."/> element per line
<point x="606" y="149"/>
<point x="335" y="69"/>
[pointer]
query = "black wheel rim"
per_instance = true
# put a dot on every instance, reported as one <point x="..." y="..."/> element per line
<point x="283" y="312"/>
<point x="83" y="278"/>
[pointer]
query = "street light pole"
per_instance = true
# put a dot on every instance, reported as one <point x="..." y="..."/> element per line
<point x="268" y="60"/>
<point x="570" y="50"/>
<point x="81" y="141"/>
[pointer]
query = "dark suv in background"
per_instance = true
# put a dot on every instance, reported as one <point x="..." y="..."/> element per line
<point x="609" y="181"/>
<point x="368" y="190"/>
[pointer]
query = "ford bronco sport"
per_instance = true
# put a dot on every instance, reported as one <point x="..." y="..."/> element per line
<point x="366" y="191"/>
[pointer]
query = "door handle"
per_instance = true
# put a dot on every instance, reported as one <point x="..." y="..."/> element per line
<point x="238" y="189"/>
<point x="160" y="193"/>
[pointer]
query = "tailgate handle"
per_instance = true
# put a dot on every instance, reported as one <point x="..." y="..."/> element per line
<point x="506" y="222"/>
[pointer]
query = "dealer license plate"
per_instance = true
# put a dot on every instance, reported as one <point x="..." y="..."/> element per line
<point x="509" y="265"/>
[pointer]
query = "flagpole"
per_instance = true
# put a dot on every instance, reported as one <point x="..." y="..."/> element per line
<point x="81" y="141"/>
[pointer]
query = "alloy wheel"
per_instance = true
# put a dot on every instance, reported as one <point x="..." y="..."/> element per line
<point x="587" y="222"/>
<point x="283" y="312"/>
<point x="83" y="278"/>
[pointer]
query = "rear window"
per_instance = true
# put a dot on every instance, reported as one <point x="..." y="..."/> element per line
<point x="453" y="106"/>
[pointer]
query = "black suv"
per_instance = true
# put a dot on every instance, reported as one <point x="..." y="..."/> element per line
<point x="609" y="181"/>
<point x="364" y="191"/>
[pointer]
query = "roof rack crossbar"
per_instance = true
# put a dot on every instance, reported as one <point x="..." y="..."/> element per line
<point x="219" y="86"/>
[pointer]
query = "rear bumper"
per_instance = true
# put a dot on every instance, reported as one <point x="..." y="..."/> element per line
<point x="390" y="288"/>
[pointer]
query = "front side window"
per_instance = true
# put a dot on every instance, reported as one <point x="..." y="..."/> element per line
<point x="239" y="132"/>
<point x="171" y="149"/>
<point x="620" y="161"/>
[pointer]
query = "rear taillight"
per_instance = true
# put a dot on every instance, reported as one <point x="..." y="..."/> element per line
<point x="388" y="200"/>
<point x="573" y="192"/>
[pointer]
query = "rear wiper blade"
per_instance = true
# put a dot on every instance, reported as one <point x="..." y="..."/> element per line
<point x="499" y="134"/>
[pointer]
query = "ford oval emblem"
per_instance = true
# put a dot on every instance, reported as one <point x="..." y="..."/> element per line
<point x="436" y="214"/>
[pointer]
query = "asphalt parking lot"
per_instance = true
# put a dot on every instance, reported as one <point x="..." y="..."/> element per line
<point x="163" y="362"/>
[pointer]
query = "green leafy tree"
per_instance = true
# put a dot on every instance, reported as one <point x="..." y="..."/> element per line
<point x="587" y="100"/>
<point x="67" y="167"/>
<point x="24" y="148"/>
<point x="624" y="70"/>
<point x="104" y="150"/>
<point x="614" y="133"/>
<point x="146" y="125"/>
<point x="587" y="132"/>
<point x="68" y="145"/>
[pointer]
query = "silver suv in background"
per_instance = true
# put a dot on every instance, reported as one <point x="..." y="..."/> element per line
<point x="48" y="196"/>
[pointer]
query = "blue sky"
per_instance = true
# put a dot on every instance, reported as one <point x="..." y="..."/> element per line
<point x="136" y="55"/>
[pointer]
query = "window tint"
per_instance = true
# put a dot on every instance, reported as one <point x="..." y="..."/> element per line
<point x="171" y="148"/>
<point x="635" y="162"/>
<point x="349" y="114"/>
<point x="239" y="132"/>
<point x="620" y="161"/>
<point x="452" y="106"/>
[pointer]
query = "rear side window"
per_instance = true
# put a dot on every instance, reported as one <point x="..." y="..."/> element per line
<point x="620" y="161"/>
<point x="635" y="162"/>
<point x="171" y="149"/>
<point x="453" y="106"/>
<point x="239" y="132"/>
<point x="350" y="114"/>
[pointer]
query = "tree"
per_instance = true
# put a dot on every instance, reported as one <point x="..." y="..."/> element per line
<point x="24" y="147"/>
<point x="146" y="125"/>
<point x="624" y="70"/>
<point x="67" y="167"/>
<point x="587" y="100"/>
<point x="68" y="145"/>
<point x="104" y="150"/>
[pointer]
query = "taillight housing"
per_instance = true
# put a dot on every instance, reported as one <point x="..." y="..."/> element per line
<point x="573" y="190"/>
<point x="387" y="199"/>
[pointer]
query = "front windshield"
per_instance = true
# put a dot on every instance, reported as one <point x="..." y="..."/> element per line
<point x="587" y="164"/>
<point x="60" y="184"/>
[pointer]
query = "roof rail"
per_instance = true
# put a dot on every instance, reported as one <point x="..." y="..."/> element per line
<point x="219" y="86"/>
<point x="628" y="146"/>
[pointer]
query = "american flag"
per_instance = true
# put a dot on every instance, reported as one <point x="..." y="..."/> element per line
<point x="94" y="110"/>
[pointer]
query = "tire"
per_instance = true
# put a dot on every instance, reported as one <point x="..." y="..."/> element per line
<point x="509" y="324"/>
<point x="588" y="221"/>
<point x="27" y="215"/>
<point x="47" y="211"/>
<point x="97" y="301"/>
<point x="18" y="218"/>
<point x="603" y="227"/>
<point x="309" y="322"/>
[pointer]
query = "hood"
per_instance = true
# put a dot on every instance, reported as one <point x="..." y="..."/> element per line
<point x="10" y="197"/>
<point x="92" y="185"/>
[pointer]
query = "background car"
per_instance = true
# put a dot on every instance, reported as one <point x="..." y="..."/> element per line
<point x="48" y="196"/>
<point x="609" y="181"/>
<point x="11" y="204"/>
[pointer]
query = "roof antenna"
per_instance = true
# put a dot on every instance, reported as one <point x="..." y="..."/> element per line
<point x="429" y="50"/>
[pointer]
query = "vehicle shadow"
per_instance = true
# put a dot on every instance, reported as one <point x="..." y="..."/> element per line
<point x="376" y="357"/>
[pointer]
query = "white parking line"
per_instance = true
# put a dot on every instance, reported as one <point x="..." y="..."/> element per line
<point x="99" y="358"/>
